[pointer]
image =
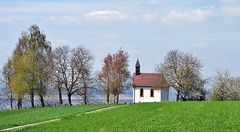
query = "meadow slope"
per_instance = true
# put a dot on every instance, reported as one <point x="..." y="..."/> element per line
<point x="13" y="118"/>
<point x="166" y="116"/>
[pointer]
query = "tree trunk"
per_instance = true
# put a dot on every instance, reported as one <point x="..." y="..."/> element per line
<point x="85" y="93"/>
<point x="11" y="100"/>
<point x="32" y="98"/>
<point x="85" y="96"/>
<point x="42" y="100"/>
<point x="108" y="92"/>
<point x="60" y="96"/>
<point x="107" y="97"/>
<point x="117" y="98"/>
<point x="178" y="95"/>
<point x="222" y="99"/>
<point x="85" y="99"/>
<point x="19" y="104"/>
<point x="41" y="93"/>
<point x="69" y="99"/>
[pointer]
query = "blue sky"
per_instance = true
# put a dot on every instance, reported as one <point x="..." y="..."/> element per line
<point x="208" y="29"/>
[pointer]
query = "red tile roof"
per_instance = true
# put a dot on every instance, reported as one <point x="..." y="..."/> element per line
<point x="149" y="80"/>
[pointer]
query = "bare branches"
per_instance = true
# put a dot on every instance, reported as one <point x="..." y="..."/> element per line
<point x="70" y="69"/>
<point x="183" y="72"/>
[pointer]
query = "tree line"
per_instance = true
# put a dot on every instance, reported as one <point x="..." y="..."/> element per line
<point x="35" y="69"/>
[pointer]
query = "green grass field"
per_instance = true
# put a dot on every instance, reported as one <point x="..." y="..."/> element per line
<point x="26" y="116"/>
<point x="166" y="116"/>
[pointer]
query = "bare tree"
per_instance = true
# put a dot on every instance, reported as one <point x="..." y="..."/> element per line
<point x="87" y="87"/>
<point x="60" y="69"/>
<point x="183" y="73"/>
<point x="83" y="60"/>
<point x="193" y="83"/>
<point x="70" y="68"/>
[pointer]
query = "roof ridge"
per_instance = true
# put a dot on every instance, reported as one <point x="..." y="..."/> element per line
<point x="150" y="73"/>
<point x="149" y="79"/>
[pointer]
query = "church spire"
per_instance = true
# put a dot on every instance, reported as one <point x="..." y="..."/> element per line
<point x="138" y="67"/>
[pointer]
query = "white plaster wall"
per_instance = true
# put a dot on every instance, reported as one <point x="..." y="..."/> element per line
<point x="159" y="95"/>
<point x="146" y="98"/>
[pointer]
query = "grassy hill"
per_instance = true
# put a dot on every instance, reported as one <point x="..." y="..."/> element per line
<point x="166" y="116"/>
<point x="27" y="116"/>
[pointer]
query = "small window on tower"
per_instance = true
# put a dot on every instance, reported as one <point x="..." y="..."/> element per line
<point x="141" y="93"/>
<point x="152" y="93"/>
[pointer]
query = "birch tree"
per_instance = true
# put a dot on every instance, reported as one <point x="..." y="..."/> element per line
<point x="32" y="74"/>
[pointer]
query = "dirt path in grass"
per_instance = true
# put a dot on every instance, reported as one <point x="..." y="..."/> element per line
<point x="100" y="110"/>
<point x="30" y="125"/>
<point x="58" y="119"/>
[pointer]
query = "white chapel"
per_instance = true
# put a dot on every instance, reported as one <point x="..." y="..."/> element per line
<point x="149" y="87"/>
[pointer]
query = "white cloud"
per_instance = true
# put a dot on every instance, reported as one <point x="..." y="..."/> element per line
<point x="108" y="15"/>
<point x="192" y="16"/>
<point x="234" y="11"/>
<point x="171" y="17"/>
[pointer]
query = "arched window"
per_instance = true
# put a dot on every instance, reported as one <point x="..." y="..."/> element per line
<point x="152" y="93"/>
<point x="141" y="93"/>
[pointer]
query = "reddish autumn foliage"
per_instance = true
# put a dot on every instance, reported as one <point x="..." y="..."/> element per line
<point x="115" y="74"/>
